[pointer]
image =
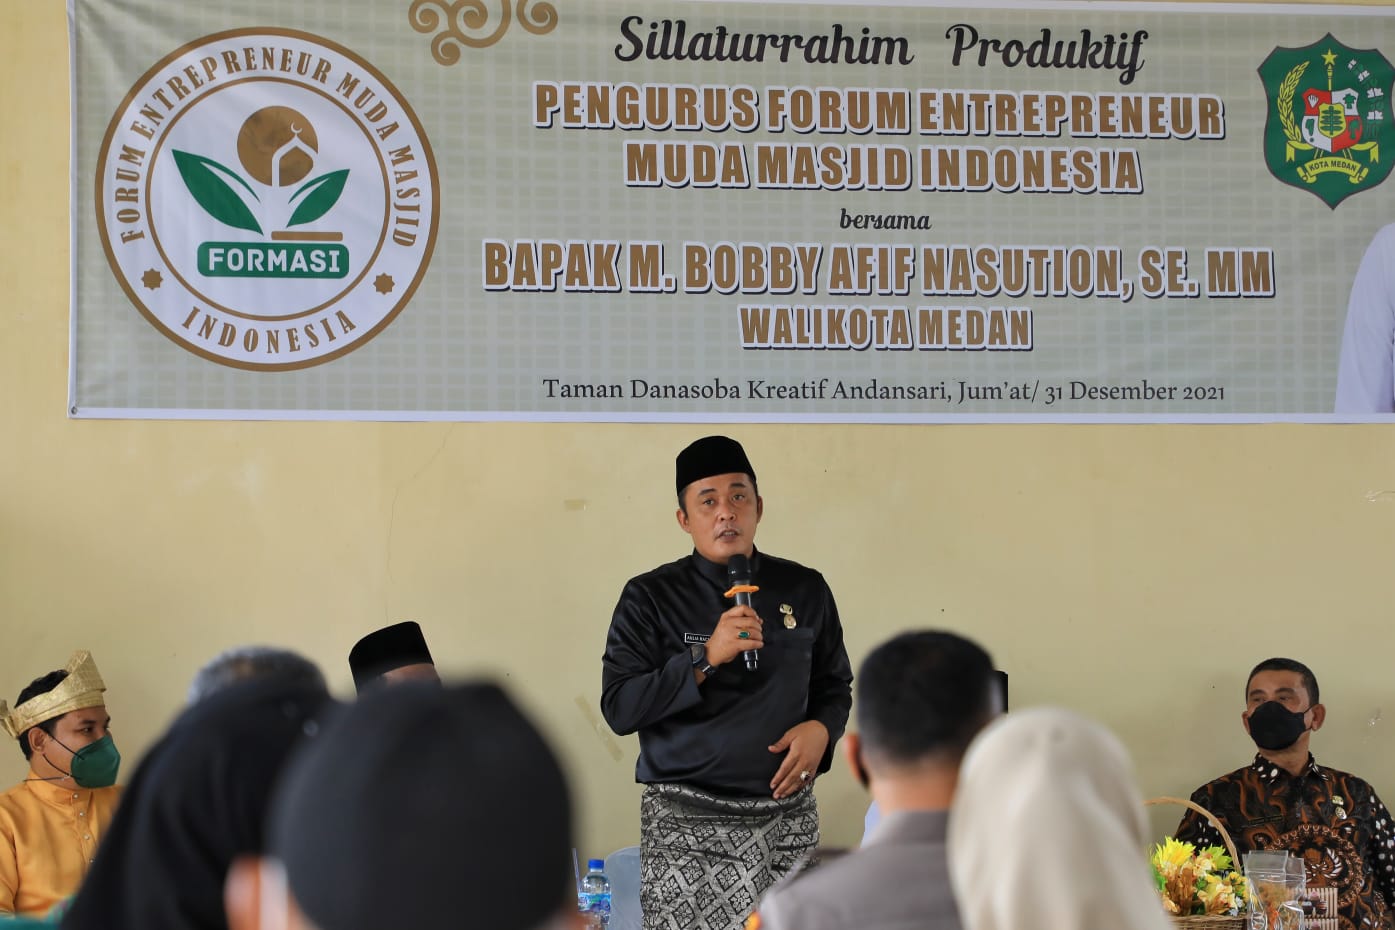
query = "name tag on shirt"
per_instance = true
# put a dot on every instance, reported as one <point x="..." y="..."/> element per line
<point x="690" y="639"/>
<point x="1265" y="821"/>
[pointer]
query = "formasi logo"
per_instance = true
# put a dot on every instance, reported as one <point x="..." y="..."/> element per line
<point x="267" y="199"/>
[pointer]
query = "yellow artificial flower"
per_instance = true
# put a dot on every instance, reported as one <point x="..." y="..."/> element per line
<point x="1171" y="855"/>
<point x="1219" y="857"/>
<point x="1216" y="895"/>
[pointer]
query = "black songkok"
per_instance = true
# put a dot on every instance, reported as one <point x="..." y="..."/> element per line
<point x="414" y="790"/>
<point x="387" y="649"/>
<point x="712" y="455"/>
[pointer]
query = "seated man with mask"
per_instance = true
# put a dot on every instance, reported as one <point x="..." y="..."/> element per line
<point x="1284" y="800"/>
<point x="51" y="822"/>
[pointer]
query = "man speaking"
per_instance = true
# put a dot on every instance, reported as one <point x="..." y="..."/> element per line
<point x="728" y="752"/>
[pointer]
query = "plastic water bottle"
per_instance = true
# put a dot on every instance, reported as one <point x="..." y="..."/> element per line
<point x="593" y="898"/>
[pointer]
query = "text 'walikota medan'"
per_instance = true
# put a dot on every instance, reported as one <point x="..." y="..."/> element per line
<point x="871" y="327"/>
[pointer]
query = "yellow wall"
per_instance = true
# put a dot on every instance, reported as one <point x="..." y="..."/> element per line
<point x="1133" y="572"/>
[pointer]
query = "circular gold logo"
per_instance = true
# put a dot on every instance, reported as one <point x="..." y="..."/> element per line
<point x="267" y="199"/>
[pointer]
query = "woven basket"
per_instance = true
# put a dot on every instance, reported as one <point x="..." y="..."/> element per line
<point x="1205" y="921"/>
<point x="1209" y="922"/>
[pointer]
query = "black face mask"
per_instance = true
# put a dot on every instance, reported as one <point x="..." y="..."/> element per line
<point x="1274" y="727"/>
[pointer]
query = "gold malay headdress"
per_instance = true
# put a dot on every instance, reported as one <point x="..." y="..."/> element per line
<point x="82" y="688"/>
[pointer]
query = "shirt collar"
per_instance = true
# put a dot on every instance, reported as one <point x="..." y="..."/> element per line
<point x="1269" y="772"/>
<point x="718" y="573"/>
<point x="51" y="792"/>
<point x="911" y="826"/>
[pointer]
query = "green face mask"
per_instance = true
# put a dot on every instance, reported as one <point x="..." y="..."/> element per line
<point x="94" y="765"/>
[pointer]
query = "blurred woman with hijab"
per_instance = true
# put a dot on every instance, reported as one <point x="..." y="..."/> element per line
<point x="1047" y="830"/>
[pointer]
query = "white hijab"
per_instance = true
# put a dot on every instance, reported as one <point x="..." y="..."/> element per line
<point x="1047" y="830"/>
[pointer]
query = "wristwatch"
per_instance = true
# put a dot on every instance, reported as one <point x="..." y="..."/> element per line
<point x="698" y="652"/>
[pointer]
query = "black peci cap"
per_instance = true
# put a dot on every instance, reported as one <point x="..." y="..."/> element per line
<point x="711" y="455"/>
<point x="386" y="649"/>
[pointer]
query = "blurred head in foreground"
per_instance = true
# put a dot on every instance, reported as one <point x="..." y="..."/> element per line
<point x="411" y="802"/>
<point x="922" y="696"/>
<point x="246" y="663"/>
<point x="1047" y="830"/>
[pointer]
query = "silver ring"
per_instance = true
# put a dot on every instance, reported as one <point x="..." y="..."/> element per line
<point x="803" y="776"/>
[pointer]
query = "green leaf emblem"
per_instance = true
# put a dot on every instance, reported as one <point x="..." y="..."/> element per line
<point x="205" y="179"/>
<point x="320" y="195"/>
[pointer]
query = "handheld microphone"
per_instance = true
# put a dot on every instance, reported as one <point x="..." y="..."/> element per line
<point x="739" y="577"/>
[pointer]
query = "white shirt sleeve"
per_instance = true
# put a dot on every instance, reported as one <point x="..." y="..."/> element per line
<point x="870" y="821"/>
<point x="1366" y="370"/>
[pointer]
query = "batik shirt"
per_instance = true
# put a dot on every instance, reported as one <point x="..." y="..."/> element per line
<point x="1332" y="819"/>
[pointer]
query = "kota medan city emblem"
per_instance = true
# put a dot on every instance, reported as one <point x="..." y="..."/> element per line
<point x="1328" y="117"/>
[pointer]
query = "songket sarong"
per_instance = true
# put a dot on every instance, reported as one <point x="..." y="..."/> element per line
<point x="705" y="859"/>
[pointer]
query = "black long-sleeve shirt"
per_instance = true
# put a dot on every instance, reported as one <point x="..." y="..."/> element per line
<point x="717" y="736"/>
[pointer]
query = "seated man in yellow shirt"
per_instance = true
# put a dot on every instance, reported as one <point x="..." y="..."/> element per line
<point x="50" y="823"/>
